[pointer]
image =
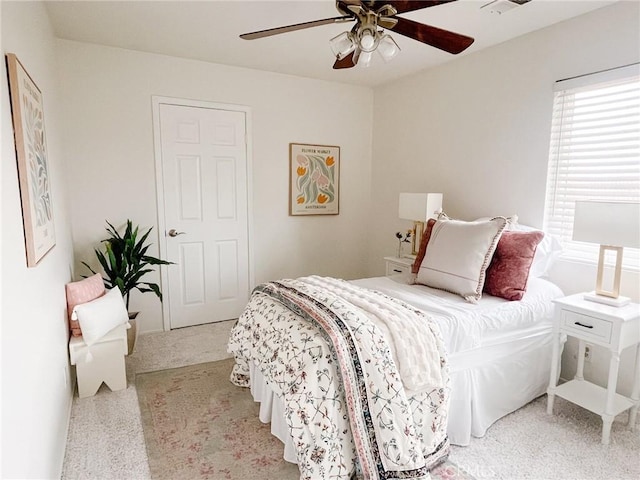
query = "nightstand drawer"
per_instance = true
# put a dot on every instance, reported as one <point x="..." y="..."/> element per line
<point x="586" y="327"/>
<point x="395" y="269"/>
<point x="398" y="265"/>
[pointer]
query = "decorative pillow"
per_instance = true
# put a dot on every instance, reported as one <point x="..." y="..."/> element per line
<point x="100" y="316"/>
<point x="423" y="245"/>
<point x="81" y="292"/>
<point x="547" y="252"/>
<point x="458" y="254"/>
<point x="508" y="272"/>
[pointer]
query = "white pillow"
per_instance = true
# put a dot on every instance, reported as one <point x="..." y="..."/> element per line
<point x="98" y="317"/>
<point x="547" y="252"/>
<point x="458" y="255"/>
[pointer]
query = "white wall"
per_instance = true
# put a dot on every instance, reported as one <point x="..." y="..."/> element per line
<point x="36" y="390"/>
<point x="110" y="159"/>
<point x="477" y="129"/>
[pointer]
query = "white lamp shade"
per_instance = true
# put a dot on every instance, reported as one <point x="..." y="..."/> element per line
<point x="419" y="206"/>
<point x="364" y="59"/>
<point x="368" y="41"/>
<point x="342" y="45"/>
<point x="388" y="48"/>
<point x="607" y="223"/>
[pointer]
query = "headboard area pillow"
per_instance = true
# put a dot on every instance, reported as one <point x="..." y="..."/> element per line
<point x="458" y="254"/>
<point x="508" y="272"/>
<point x="548" y="251"/>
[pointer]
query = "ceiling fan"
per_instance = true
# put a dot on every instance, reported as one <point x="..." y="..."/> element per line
<point x="371" y="16"/>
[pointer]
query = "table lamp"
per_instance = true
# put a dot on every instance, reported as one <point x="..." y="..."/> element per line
<point x="419" y="207"/>
<point x="613" y="225"/>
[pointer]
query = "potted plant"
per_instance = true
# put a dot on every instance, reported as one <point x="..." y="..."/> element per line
<point x="124" y="263"/>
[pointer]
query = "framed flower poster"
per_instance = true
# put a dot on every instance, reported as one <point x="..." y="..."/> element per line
<point x="314" y="179"/>
<point x="31" y="153"/>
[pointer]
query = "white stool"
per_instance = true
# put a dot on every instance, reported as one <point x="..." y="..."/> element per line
<point x="107" y="364"/>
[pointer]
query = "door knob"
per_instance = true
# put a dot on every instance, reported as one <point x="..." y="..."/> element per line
<point x="174" y="233"/>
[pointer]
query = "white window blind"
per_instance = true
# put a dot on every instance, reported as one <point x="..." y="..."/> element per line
<point x="594" y="152"/>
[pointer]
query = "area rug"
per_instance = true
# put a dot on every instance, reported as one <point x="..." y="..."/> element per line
<point x="198" y="425"/>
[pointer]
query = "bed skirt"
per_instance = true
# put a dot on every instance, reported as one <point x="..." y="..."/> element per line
<point x="487" y="383"/>
<point x="492" y="381"/>
<point x="271" y="411"/>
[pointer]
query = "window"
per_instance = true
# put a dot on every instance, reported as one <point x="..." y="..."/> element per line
<point x="594" y="152"/>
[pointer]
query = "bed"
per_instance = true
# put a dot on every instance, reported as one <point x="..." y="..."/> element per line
<point x="431" y="367"/>
<point x="498" y="351"/>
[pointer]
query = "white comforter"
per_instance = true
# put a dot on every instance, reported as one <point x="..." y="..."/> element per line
<point x="346" y="400"/>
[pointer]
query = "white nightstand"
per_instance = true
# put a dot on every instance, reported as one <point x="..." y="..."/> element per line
<point x="396" y="265"/>
<point x="614" y="328"/>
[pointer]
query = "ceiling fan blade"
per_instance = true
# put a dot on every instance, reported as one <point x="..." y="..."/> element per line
<point x="298" y="26"/>
<point x="436" y="37"/>
<point x="403" y="6"/>
<point x="346" y="62"/>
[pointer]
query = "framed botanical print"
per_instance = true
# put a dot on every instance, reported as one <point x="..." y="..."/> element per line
<point x="31" y="153"/>
<point x="314" y="179"/>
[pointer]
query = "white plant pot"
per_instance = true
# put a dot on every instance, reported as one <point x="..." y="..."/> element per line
<point x="132" y="333"/>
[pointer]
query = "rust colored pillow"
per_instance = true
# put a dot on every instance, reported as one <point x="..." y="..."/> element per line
<point x="508" y="272"/>
<point x="79" y="292"/>
<point x="423" y="245"/>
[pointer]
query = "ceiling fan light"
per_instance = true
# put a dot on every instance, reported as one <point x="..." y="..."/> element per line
<point x="388" y="48"/>
<point x="364" y="59"/>
<point x="342" y="45"/>
<point x="368" y="41"/>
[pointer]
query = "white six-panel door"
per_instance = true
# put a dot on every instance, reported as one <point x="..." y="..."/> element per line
<point x="204" y="181"/>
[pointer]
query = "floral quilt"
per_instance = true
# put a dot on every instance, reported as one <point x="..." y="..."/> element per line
<point x="327" y="351"/>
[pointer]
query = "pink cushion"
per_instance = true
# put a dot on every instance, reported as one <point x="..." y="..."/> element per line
<point x="423" y="245"/>
<point x="79" y="292"/>
<point x="508" y="272"/>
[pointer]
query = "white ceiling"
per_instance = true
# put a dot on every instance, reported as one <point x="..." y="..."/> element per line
<point x="208" y="31"/>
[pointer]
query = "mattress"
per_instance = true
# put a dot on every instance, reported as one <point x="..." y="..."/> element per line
<point x="498" y="350"/>
<point x="466" y="326"/>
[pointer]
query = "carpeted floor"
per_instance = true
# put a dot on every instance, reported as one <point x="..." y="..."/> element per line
<point x="106" y="439"/>
<point x="529" y="444"/>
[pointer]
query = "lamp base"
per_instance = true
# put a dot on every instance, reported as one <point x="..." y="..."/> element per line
<point x="613" y="302"/>
<point x="416" y="238"/>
